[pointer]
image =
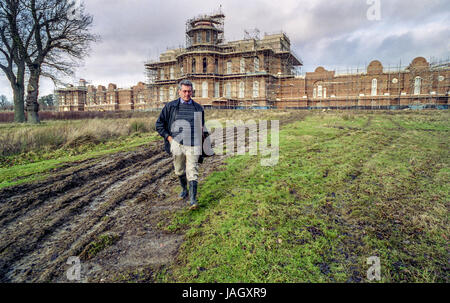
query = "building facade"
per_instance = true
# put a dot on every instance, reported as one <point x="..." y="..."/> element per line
<point x="238" y="73"/>
<point x="261" y="73"/>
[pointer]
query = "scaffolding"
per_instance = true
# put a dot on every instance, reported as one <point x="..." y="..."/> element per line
<point x="266" y="72"/>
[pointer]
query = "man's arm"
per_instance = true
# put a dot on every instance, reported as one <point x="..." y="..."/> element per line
<point x="161" y="124"/>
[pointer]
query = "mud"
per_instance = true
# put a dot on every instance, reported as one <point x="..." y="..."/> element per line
<point x="126" y="195"/>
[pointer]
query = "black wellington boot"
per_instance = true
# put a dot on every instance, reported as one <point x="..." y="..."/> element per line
<point x="183" y="182"/>
<point x="193" y="194"/>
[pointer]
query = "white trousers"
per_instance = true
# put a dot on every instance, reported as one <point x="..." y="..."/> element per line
<point x="185" y="160"/>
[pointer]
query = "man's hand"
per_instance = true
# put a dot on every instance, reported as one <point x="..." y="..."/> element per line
<point x="169" y="138"/>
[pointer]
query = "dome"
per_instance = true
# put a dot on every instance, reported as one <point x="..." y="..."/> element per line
<point x="320" y="69"/>
<point x="419" y="62"/>
<point x="375" y="67"/>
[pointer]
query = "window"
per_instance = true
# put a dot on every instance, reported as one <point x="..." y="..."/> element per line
<point x="110" y="99"/>
<point x="172" y="72"/>
<point x="417" y="85"/>
<point x="181" y="69"/>
<point x="255" y="89"/>
<point x="324" y="92"/>
<point x="161" y="94"/>
<point x="241" y="89"/>
<point x="162" y="74"/>
<point x="256" y="64"/>
<point x="199" y="37"/>
<point x="205" y="89"/>
<point x="216" y="90"/>
<point x="228" y="90"/>
<point x="193" y="66"/>
<point x="205" y="65"/>
<point x="242" y="66"/>
<point x="216" y="66"/>
<point x="193" y="89"/>
<point x="171" y="93"/>
<point x="315" y="92"/>
<point x="229" y="67"/>
<point x="141" y="98"/>
<point x="319" y="91"/>
<point x="374" y="87"/>
<point x="208" y="36"/>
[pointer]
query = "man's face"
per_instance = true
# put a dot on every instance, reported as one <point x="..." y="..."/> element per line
<point x="185" y="92"/>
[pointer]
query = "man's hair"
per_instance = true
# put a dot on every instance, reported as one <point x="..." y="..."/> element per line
<point x="186" y="83"/>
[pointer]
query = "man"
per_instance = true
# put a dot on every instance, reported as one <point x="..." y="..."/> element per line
<point x="181" y="125"/>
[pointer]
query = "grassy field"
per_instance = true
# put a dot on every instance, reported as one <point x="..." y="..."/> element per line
<point x="30" y="152"/>
<point x="348" y="186"/>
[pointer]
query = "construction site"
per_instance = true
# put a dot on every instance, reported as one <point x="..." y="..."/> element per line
<point x="263" y="73"/>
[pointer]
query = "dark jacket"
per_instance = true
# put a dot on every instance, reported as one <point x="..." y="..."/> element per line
<point x="168" y="116"/>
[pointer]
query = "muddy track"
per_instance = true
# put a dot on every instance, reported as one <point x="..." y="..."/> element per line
<point x="126" y="195"/>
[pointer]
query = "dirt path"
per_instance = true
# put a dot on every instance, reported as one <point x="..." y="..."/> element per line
<point x="44" y="223"/>
<point x="123" y="196"/>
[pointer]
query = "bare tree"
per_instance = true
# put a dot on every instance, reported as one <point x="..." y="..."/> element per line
<point x="50" y="38"/>
<point x="11" y="61"/>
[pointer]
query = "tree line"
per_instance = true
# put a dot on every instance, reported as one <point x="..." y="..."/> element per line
<point x="45" y="102"/>
<point x="41" y="38"/>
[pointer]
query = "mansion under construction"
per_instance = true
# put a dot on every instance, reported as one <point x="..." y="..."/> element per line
<point x="261" y="73"/>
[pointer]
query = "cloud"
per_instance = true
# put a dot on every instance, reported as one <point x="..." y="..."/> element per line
<point x="322" y="32"/>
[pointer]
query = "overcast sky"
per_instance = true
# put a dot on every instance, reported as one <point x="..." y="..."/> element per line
<point x="333" y="34"/>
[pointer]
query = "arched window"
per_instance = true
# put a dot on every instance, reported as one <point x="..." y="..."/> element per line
<point x="162" y="74"/>
<point x="216" y="66"/>
<point x="161" y="94"/>
<point x="205" y="89"/>
<point x="172" y="72"/>
<point x="193" y="66"/>
<point x="315" y="92"/>
<point x="417" y="85"/>
<point x="256" y="64"/>
<point x="319" y="91"/>
<point x="229" y="67"/>
<point x="242" y="66"/>
<point x="208" y="36"/>
<point x="241" y="89"/>
<point x="171" y="93"/>
<point x="216" y="90"/>
<point x="228" y="90"/>
<point x="374" y="87"/>
<point x="255" y="89"/>
<point x="205" y="65"/>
